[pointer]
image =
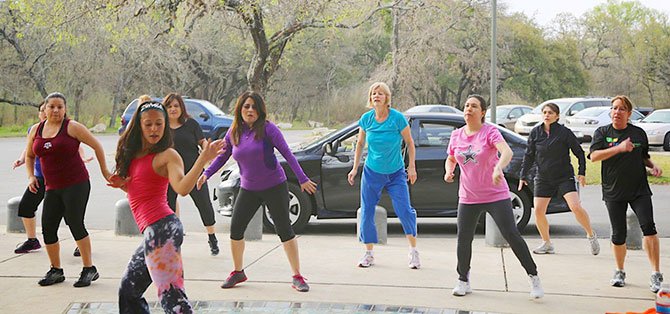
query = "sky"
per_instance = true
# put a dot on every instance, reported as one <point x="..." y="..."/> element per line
<point x="543" y="11"/>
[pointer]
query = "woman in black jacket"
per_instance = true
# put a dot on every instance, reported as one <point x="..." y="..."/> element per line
<point x="549" y="146"/>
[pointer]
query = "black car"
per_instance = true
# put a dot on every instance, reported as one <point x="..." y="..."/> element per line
<point x="329" y="159"/>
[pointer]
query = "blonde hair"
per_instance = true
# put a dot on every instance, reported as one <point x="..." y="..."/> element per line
<point x="143" y="99"/>
<point x="625" y="100"/>
<point x="384" y="88"/>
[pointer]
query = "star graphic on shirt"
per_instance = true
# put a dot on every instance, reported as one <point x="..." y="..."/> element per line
<point x="469" y="155"/>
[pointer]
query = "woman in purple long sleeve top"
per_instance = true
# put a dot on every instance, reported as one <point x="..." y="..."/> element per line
<point x="251" y="141"/>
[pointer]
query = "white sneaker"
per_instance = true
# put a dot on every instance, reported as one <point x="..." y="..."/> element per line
<point x="655" y="282"/>
<point x="414" y="261"/>
<point x="367" y="260"/>
<point x="462" y="288"/>
<point x="536" y="290"/>
<point x="545" y="248"/>
<point x="593" y="244"/>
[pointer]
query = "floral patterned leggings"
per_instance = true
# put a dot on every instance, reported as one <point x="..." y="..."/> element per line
<point x="158" y="260"/>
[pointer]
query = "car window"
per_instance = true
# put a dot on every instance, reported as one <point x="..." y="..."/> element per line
<point x="194" y="110"/>
<point x="526" y="110"/>
<point x="577" y="107"/>
<point x="636" y="116"/>
<point x="591" y="104"/>
<point x="516" y="112"/>
<point x="348" y="142"/>
<point x="432" y="134"/>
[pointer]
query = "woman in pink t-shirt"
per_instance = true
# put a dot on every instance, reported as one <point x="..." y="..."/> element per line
<point x="475" y="148"/>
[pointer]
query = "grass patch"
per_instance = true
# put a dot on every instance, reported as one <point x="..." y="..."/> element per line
<point x="593" y="169"/>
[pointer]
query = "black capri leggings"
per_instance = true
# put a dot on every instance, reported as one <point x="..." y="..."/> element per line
<point x="645" y="215"/>
<point x="30" y="200"/>
<point x="247" y="202"/>
<point x="69" y="203"/>
<point x="501" y="212"/>
<point x="200" y="199"/>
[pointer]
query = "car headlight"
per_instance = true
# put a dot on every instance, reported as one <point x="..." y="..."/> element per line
<point x="591" y="122"/>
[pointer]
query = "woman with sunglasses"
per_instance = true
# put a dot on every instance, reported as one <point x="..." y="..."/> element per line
<point x="145" y="165"/>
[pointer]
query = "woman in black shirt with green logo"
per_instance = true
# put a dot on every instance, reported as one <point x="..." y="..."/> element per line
<point x="624" y="151"/>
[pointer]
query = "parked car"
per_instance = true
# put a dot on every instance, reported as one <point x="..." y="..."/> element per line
<point x="657" y="126"/>
<point x="507" y="115"/>
<point x="433" y="108"/>
<point x="568" y="106"/>
<point x="329" y="159"/>
<point x="584" y="123"/>
<point x="645" y="110"/>
<point x="212" y="120"/>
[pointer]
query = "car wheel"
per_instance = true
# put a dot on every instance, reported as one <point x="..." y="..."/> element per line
<point x="666" y="142"/>
<point x="299" y="210"/>
<point x="521" y="206"/>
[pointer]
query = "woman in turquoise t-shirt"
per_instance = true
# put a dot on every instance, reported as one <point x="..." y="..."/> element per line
<point x="384" y="129"/>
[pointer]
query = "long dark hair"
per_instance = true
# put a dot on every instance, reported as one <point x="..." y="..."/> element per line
<point x="172" y="97"/>
<point x="56" y="95"/>
<point x="238" y="122"/>
<point x="130" y="142"/>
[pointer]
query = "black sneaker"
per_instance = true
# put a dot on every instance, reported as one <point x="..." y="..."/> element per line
<point x="28" y="246"/>
<point x="87" y="275"/>
<point x="213" y="246"/>
<point x="76" y="252"/>
<point x="53" y="276"/>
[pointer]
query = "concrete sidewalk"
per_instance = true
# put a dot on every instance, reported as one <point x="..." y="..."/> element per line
<point x="574" y="281"/>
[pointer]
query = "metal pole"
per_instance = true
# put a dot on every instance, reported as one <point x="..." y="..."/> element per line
<point x="494" y="46"/>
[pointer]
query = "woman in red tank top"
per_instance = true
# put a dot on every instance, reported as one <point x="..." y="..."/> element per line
<point x="56" y="141"/>
<point x="145" y="164"/>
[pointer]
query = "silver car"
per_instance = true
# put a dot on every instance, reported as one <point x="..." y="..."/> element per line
<point x="657" y="126"/>
<point x="568" y="106"/>
<point x="433" y="108"/>
<point x="507" y="115"/>
<point x="584" y="123"/>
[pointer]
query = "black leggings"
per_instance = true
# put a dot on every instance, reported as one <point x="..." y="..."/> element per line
<point x="501" y="212"/>
<point x="645" y="215"/>
<point x="69" y="203"/>
<point x="247" y="202"/>
<point x="30" y="201"/>
<point x="200" y="199"/>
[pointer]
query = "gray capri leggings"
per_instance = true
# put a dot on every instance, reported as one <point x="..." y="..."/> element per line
<point x="247" y="202"/>
<point x="501" y="212"/>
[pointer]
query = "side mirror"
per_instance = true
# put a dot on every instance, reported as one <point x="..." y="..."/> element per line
<point x="328" y="148"/>
<point x="204" y="116"/>
<point x="331" y="148"/>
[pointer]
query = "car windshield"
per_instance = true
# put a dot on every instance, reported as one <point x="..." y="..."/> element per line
<point x="592" y="112"/>
<point x="500" y="112"/>
<point x="562" y="105"/>
<point x="213" y="109"/>
<point x="658" y="116"/>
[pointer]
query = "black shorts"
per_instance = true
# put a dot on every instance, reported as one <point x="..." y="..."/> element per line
<point x="544" y="188"/>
